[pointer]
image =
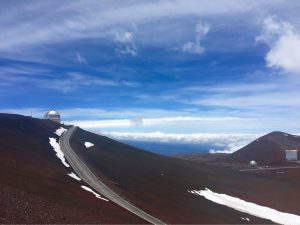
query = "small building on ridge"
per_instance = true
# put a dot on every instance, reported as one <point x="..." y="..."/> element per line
<point x="53" y="116"/>
<point x="291" y="155"/>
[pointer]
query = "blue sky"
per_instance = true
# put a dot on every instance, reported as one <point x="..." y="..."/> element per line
<point x="180" y="67"/>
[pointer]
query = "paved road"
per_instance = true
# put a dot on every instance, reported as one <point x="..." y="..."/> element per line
<point x="85" y="174"/>
<point x="272" y="168"/>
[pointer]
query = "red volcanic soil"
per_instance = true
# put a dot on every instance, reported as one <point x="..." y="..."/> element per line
<point x="35" y="188"/>
<point x="160" y="184"/>
<point x="268" y="149"/>
<point x="34" y="185"/>
<point x="201" y="157"/>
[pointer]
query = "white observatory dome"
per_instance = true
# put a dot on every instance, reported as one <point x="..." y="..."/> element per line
<point x="253" y="163"/>
<point x="52" y="115"/>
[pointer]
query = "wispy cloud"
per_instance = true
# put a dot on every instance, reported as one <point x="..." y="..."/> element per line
<point x="33" y="24"/>
<point x="126" y="43"/>
<point x="47" y="78"/>
<point x="75" y="80"/>
<point x="196" y="47"/>
<point x="255" y="100"/>
<point x="80" y="58"/>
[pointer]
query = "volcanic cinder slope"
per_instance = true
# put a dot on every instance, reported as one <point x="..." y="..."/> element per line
<point x="159" y="184"/>
<point x="268" y="149"/>
<point x="35" y="188"/>
<point x="34" y="185"/>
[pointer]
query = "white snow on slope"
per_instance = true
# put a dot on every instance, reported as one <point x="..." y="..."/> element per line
<point x="88" y="144"/>
<point x="250" y="208"/>
<point x="245" y="218"/>
<point x="58" y="151"/>
<point x="96" y="194"/>
<point x="73" y="175"/>
<point x="60" y="131"/>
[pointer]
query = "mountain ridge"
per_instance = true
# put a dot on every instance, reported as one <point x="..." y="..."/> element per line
<point x="268" y="149"/>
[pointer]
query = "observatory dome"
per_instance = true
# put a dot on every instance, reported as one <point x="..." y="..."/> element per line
<point x="253" y="163"/>
<point x="52" y="115"/>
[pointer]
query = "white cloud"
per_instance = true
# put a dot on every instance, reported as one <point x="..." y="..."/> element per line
<point x="146" y="121"/>
<point x="137" y="121"/>
<point x="227" y="143"/>
<point x="100" y="123"/>
<point x="234" y="144"/>
<point x="187" y="120"/>
<point x="81" y="59"/>
<point x="34" y="24"/>
<point x="284" y="42"/>
<point x="97" y="113"/>
<point x="124" y="37"/>
<point x="195" y="47"/>
<point x="126" y="43"/>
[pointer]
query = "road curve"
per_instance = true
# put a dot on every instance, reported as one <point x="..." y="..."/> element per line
<point x="90" y="178"/>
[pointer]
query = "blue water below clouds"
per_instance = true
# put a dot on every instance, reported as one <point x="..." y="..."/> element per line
<point x="171" y="148"/>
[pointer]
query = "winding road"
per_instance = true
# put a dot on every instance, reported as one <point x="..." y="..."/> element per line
<point x="90" y="178"/>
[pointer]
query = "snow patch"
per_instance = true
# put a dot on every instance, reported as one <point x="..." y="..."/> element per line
<point x="73" y="175"/>
<point x="59" y="153"/>
<point x="250" y="208"/>
<point x="286" y="135"/>
<point x="245" y="218"/>
<point x="88" y="144"/>
<point x="96" y="194"/>
<point x="60" y="131"/>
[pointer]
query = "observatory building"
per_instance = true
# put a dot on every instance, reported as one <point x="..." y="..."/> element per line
<point x="253" y="163"/>
<point x="52" y="115"/>
<point x="291" y="155"/>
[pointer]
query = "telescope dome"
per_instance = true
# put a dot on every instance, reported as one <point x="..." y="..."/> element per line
<point x="52" y="115"/>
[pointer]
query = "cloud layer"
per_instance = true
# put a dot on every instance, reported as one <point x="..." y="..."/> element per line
<point x="224" y="143"/>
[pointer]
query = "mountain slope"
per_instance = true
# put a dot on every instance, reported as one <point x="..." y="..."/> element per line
<point x="159" y="184"/>
<point x="34" y="185"/>
<point x="35" y="188"/>
<point x="266" y="149"/>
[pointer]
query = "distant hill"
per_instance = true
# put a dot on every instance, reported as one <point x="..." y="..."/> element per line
<point x="267" y="149"/>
